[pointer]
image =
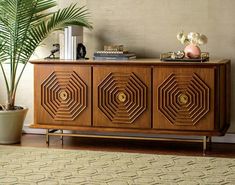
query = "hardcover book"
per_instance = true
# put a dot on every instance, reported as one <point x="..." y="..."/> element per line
<point x="114" y="57"/>
<point x="113" y="48"/>
<point x="111" y="52"/>
<point x="114" y="54"/>
<point x="73" y="35"/>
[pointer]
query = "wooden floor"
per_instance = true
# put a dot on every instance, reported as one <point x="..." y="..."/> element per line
<point x="116" y="145"/>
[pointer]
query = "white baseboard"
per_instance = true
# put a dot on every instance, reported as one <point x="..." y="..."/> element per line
<point x="27" y="130"/>
<point x="228" y="138"/>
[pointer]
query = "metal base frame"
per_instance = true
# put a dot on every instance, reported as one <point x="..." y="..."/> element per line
<point x="206" y="140"/>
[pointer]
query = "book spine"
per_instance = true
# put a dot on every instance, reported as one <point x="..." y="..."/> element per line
<point x="74" y="49"/>
<point x="113" y="48"/>
<point x="113" y="58"/>
<point x="77" y="30"/>
<point x="113" y="55"/>
<point x="111" y="52"/>
<point x="66" y="43"/>
<point x="70" y="51"/>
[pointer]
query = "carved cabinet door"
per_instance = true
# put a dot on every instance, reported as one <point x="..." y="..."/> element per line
<point x="183" y="98"/>
<point x="122" y="97"/>
<point x="62" y="95"/>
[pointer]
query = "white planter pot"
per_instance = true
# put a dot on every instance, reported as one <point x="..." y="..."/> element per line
<point x="11" y="123"/>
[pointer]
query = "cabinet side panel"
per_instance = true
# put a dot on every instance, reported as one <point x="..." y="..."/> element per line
<point x="228" y="93"/>
<point x="223" y="96"/>
<point x="37" y="95"/>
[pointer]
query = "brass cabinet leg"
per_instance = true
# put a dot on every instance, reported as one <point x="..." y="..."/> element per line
<point x="47" y="136"/>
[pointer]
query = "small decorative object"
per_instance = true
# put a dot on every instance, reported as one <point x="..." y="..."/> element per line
<point x="53" y="51"/>
<point x="177" y="55"/>
<point x="192" y="51"/>
<point x="113" y="48"/>
<point x="114" y="52"/>
<point x="193" y="41"/>
<point x="81" y="51"/>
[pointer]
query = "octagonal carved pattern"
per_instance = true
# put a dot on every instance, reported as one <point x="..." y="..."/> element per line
<point x="183" y="100"/>
<point x="122" y="97"/>
<point x="64" y="95"/>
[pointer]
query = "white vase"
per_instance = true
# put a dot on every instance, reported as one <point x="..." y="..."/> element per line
<point x="11" y="124"/>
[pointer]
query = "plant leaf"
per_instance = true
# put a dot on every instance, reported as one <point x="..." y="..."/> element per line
<point x="24" y="24"/>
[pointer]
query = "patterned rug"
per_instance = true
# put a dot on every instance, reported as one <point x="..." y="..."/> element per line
<point x="21" y="165"/>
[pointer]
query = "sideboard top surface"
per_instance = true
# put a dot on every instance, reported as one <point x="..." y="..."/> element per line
<point x="146" y="62"/>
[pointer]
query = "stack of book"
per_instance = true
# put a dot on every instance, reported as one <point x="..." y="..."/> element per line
<point x="72" y="36"/>
<point x="114" y="53"/>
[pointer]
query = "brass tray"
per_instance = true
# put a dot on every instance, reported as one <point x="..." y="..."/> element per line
<point x="167" y="57"/>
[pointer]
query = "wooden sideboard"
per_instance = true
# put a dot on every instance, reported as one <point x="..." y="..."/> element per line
<point x="142" y="97"/>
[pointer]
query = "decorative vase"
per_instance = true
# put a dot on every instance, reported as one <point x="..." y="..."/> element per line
<point x="11" y="123"/>
<point x="192" y="51"/>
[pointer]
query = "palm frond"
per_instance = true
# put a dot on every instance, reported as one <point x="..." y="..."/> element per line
<point x="62" y="18"/>
<point x="41" y="10"/>
<point x="24" y="24"/>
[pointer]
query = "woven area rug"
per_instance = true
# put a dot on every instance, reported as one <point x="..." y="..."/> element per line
<point x="21" y="165"/>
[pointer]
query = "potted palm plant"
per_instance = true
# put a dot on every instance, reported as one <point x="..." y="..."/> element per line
<point x="24" y="24"/>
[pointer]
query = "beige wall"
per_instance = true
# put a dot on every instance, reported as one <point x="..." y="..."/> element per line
<point x="149" y="27"/>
